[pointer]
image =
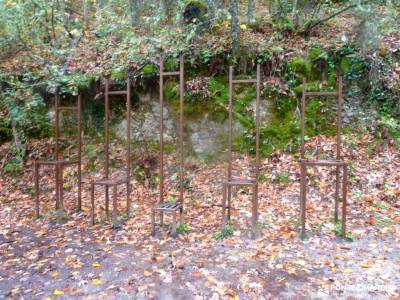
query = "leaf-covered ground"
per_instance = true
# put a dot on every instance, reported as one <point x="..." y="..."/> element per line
<point x="45" y="259"/>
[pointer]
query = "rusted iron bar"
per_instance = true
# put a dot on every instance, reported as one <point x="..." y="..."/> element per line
<point x="159" y="206"/>
<point x="59" y="163"/>
<point x="117" y="92"/>
<point x="338" y="162"/>
<point x="244" y="81"/>
<point x="321" y="94"/>
<point x="253" y="182"/>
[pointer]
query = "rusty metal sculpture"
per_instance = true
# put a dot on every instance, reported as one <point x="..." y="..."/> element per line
<point x="338" y="162"/>
<point x="106" y="181"/>
<point x="58" y="163"/>
<point x="251" y="182"/>
<point x="161" y="206"/>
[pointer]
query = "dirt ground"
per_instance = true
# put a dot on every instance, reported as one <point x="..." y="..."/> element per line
<point x="52" y="258"/>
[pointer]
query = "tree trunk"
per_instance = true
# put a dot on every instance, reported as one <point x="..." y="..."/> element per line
<point x="235" y="29"/>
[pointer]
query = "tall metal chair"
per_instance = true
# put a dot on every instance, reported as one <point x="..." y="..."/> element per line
<point x="121" y="180"/>
<point x="161" y="206"/>
<point x="338" y="162"/>
<point x="231" y="181"/>
<point x="58" y="163"/>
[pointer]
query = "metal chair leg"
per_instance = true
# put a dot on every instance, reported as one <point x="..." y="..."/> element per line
<point x="229" y="201"/>
<point x="303" y="182"/>
<point x="37" y="191"/>
<point x="92" y="202"/>
<point x="173" y="230"/>
<point x="337" y="188"/>
<point x="153" y="222"/>
<point x="224" y="190"/>
<point x="128" y="197"/>
<point x="115" y="208"/>
<point x="254" y="208"/>
<point x="57" y="187"/>
<point x="344" y="204"/>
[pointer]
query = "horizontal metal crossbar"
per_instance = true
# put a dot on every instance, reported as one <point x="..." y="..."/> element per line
<point x="170" y="73"/>
<point x="321" y="94"/>
<point x="117" y="93"/>
<point x="67" y="108"/>
<point x="244" y="81"/>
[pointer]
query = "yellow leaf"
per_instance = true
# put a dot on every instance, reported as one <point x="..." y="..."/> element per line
<point x="96" y="281"/>
<point x="58" y="293"/>
<point x="147" y="273"/>
<point x="365" y="265"/>
<point x="348" y="271"/>
<point x="243" y="26"/>
<point x="301" y="262"/>
<point x="96" y="265"/>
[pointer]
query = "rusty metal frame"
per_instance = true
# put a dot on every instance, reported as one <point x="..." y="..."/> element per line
<point x="337" y="163"/>
<point x="58" y="163"/>
<point x="106" y="181"/>
<point x="161" y="206"/>
<point x="252" y="182"/>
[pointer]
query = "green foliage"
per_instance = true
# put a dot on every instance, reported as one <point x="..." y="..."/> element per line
<point x="172" y="201"/>
<point x="226" y="232"/>
<point x="339" y="232"/>
<point x="183" y="229"/>
<point x="283" y="178"/>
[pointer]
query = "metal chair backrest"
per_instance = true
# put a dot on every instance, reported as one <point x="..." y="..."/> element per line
<point x="339" y="94"/>
<point x="233" y="81"/>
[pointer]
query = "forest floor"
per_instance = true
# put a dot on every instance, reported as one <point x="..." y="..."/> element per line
<point x="50" y="259"/>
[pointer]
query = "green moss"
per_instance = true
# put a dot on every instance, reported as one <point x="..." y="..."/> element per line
<point x="149" y="70"/>
<point x="300" y="66"/>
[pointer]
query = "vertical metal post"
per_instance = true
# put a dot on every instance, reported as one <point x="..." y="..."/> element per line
<point x="255" y="192"/>
<point x="57" y="125"/>
<point x="161" y="186"/>
<point x="338" y="144"/>
<point x="79" y="104"/>
<point x="106" y="141"/>
<point x="181" y="102"/>
<point x="57" y="154"/>
<point x="230" y="137"/>
<point x="128" y="150"/>
<point x="303" y="170"/>
<point x="302" y="121"/>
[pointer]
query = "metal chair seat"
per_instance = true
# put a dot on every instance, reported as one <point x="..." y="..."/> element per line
<point x="241" y="182"/>
<point x="110" y="181"/>
<point x="326" y="162"/>
<point x="170" y="207"/>
<point x="56" y="162"/>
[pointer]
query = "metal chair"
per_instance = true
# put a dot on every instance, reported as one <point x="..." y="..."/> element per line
<point x="59" y="164"/>
<point x="250" y="182"/>
<point x="114" y="182"/>
<point x="338" y="162"/>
